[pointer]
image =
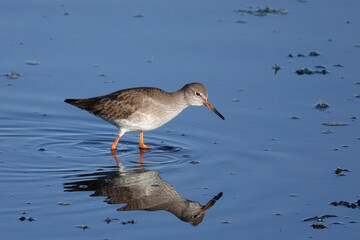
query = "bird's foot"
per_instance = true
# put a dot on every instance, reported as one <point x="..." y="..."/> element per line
<point x="143" y="146"/>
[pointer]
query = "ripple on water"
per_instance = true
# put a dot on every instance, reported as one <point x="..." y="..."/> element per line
<point x="37" y="147"/>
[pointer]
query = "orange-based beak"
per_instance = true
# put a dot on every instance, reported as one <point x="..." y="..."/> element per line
<point x="208" y="104"/>
<point x="212" y="202"/>
<point x="208" y="205"/>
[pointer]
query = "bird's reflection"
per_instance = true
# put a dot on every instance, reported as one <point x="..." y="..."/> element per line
<point x="140" y="189"/>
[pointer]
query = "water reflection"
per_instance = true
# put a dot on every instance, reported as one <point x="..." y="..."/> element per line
<point x="140" y="189"/>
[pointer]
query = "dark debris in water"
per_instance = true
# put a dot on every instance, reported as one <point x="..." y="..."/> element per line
<point x="318" y="226"/>
<point x="311" y="54"/>
<point x="321" y="105"/>
<point x="226" y="222"/>
<point x="12" y="75"/>
<point x="347" y="204"/>
<point x="339" y="171"/>
<point x="276" y="68"/>
<point x="109" y="220"/>
<point x="129" y="222"/>
<point x="307" y="71"/>
<point x="260" y="12"/>
<point x="319" y="220"/>
<point x="194" y="162"/>
<point x="314" y="54"/>
<point x="293" y="195"/>
<point x="23" y="218"/>
<point x="327" y="131"/>
<point x="83" y="226"/>
<point x="335" y="124"/>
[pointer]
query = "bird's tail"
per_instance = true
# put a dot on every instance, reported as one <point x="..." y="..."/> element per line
<point x="71" y="101"/>
<point x="85" y="104"/>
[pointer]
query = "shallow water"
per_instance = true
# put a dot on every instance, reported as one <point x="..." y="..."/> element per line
<point x="56" y="168"/>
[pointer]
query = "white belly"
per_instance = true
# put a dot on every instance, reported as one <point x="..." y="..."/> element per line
<point x="149" y="118"/>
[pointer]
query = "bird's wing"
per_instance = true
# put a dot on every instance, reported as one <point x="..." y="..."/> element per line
<point x="117" y="105"/>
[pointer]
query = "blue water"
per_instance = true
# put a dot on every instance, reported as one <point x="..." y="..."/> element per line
<point x="274" y="171"/>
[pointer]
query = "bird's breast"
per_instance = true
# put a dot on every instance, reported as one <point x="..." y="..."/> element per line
<point x="150" y="116"/>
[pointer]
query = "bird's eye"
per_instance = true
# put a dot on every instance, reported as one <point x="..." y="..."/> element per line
<point x="197" y="94"/>
<point x="195" y="215"/>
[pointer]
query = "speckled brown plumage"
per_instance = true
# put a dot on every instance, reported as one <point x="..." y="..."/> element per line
<point x="117" y="105"/>
<point x="143" y="109"/>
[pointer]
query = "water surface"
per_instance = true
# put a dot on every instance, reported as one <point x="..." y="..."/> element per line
<point x="270" y="158"/>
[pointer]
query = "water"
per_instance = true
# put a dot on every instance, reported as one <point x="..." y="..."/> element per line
<point x="274" y="171"/>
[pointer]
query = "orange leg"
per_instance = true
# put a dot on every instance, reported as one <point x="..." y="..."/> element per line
<point x="114" y="156"/>
<point x="141" y="156"/>
<point x="113" y="147"/>
<point x="141" y="142"/>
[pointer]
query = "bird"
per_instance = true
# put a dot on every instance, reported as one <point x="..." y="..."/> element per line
<point x="143" y="108"/>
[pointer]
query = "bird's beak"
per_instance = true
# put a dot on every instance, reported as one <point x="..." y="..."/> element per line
<point x="211" y="202"/>
<point x="208" y="104"/>
<point x="208" y="205"/>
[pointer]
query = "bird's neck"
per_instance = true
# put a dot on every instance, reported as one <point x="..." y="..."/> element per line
<point x="181" y="101"/>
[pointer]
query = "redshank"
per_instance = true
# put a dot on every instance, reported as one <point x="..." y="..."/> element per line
<point x="144" y="108"/>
